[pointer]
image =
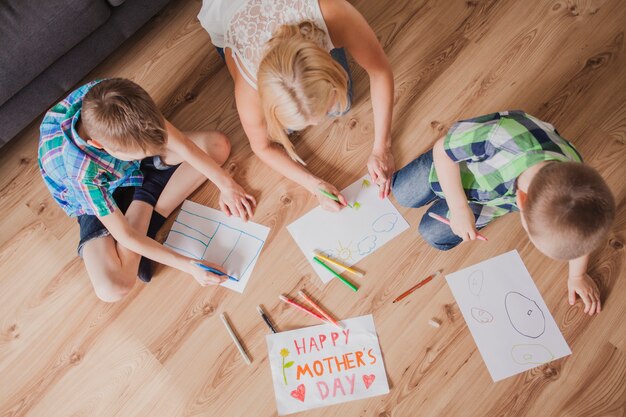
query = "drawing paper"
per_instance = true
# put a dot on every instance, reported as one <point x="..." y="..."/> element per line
<point x="201" y="232"/>
<point x="351" y="234"/>
<point x="322" y="365"/>
<point x="509" y="320"/>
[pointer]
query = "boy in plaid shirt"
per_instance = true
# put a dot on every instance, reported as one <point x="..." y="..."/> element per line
<point x="502" y="162"/>
<point x="110" y="159"/>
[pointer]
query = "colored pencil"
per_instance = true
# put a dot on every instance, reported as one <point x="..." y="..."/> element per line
<point x="215" y="271"/>
<point x="320" y="310"/>
<point x="235" y="340"/>
<point x="266" y="319"/>
<point x="446" y="221"/>
<point x="336" y="263"/>
<point x="333" y="197"/>
<point x="415" y="287"/>
<point x="329" y="269"/>
<point x="301" y="307"/>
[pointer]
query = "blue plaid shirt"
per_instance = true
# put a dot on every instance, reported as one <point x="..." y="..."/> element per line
<point x="81" y="178"/>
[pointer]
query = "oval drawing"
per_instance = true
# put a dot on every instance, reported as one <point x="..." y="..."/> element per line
<point x="481" y="316"/>
<point x="475" y="282"/>
<point x="531" y="354"/>
<point x="366" y="245"/>
<point x="525" y="315"/>
<point x="385" y="223"/>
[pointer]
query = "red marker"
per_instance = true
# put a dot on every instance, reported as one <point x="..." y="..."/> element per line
<point x="446" y="221"/>
<point x="301" y="308"/>
<point x="320" y="310"/>
<point x="419" y="285"/>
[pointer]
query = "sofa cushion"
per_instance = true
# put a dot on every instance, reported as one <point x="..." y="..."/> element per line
<point x="64" y="75"/>
<point x="35" y="33"/>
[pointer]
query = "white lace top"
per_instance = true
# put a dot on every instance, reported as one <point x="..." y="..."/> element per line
<point x="245" y="26"/>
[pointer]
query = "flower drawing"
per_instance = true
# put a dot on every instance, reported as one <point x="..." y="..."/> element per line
<point x="284" y="353"/>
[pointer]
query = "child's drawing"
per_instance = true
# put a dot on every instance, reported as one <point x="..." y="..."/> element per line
<point x="481" y="316"/>
<point x="534" y="354"/>
<point x="508" y="319"/>
<point x="284" y="353"/>
<point x="385" y="223"/>
<point x="359" y="232"/>
<point x="204" y="233"/>
<point x="299" y="393"/>
<point x="344" y="252"/>
<point x="318" y="366"/>
<point x="368" y="380"/>
<point x="525" y="315"/>
<point x="475" y="282"/>
<point x="366" y="245"/>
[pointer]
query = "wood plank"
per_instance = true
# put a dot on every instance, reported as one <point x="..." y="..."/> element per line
<point x="163" y="350"/>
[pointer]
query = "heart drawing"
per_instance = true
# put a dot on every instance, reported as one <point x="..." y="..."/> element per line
<point x="298" y="393"/>
<point x="367" y="379"/>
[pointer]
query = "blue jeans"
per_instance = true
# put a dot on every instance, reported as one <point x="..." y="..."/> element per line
<point x="411" y="188"/>
<point x="339" y="55"/>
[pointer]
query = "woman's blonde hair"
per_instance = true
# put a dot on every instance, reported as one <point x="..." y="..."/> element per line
<point x="296" y="80"/>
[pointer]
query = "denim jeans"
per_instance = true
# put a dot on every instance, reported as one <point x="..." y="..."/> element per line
<point x="339" y="55"/>
<point x="411" y="188"/>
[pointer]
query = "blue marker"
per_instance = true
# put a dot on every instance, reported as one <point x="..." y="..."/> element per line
<point x="215" y="271"/>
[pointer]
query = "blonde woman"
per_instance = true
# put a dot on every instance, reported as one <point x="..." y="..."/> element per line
<point x="290" y="73"/>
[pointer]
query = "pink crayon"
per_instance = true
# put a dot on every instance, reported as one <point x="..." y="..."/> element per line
<point x="446" y="221"/>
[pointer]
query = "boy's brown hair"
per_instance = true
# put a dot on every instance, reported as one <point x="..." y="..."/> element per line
<point x="569" y="209"/>
<point x="123" y="116"/>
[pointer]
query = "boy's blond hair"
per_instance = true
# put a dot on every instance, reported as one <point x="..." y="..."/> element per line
<point x="569" y="209"/>
<point x="122" y="116"/>
<point x="296" y="81"/>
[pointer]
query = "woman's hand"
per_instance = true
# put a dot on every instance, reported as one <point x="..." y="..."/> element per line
<point x="203" y="276"/>
<point x="326" y="202"/>
<point x="234" y="201"/>
<point x="381" y="167"/>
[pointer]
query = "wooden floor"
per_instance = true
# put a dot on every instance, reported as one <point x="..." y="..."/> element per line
<point x="163" y="350"/>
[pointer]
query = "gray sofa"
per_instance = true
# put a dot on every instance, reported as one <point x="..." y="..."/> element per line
<point x="47" y="46"/>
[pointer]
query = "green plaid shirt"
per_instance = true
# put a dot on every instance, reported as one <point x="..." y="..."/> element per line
<point x="493" y="150"/>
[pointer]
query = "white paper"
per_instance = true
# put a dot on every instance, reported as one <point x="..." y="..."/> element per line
<point x="349" y="235"/>
<point x="201" y="232"/>
<point x="305" y="368"/>
<point x="509" y="320"/>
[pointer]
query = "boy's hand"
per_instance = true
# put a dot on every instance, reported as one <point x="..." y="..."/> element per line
<point x="203" y="276"/>
<point x="326" y="202"/>
<point x="463" y="223"/>
<point x="587" y="290"/>
<point x="234" y="201"/>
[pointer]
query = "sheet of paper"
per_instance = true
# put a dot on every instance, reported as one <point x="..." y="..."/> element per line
<point x="322" y="365"/>
<point x="201" y="232"/>
<point x="351" y="234"/>
<point x="509" y="320"/>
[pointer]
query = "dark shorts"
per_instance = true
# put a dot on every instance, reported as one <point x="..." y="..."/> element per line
<point x="92" y="228"/>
